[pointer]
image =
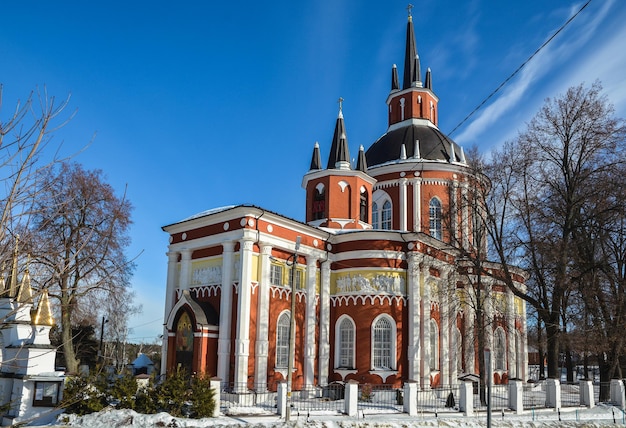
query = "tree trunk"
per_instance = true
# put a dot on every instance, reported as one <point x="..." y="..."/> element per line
<point x="71" y="363"/>
<point x="552" y="339"/>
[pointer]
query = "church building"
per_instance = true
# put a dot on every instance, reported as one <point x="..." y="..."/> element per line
<point x="379" y="277"/>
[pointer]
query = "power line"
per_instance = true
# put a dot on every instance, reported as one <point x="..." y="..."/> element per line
<point x="520" y="67"/>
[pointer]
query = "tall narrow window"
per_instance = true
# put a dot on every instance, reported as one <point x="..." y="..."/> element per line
<point x="500" y="349"/>
<point x="282" y="341"/>
<point x="375" y="224"/>
<point x="434" y="345"/>
<point x="319" y="204"/>
<point x="346" y="344"/>
<point x="457" y="348"/>
<point x="435" y="218"/>
<point x="386" y="216"/>
<point x="276" y="274"/>
<point x="363" y="205"/>
<point x="382" y="345"/>
<point x="298" y="276"/>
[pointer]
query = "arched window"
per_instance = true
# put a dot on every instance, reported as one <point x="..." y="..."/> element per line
<point x="386" y="216"/>
<point x="363" y="206"/>
<point x="344" y="334"/>
<point x="435" y="218"/>
<point x="282" y="340"/>
<point x="375" y="224"/>
<point x="434" y="345"/>
<point x="383" y="344"/>
<point x="500" y="349"/>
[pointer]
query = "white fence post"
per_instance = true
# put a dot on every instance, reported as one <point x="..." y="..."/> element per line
<point x="282" y="399"/>
<point x="216" y="385"/>
<point x="553" y="393"/>
<point x="617" y="393"/>
<point x="466" y="399"/>
<point x="410" y="398"/>
<point x="516" y="396"/>
<point x="352" y="398"/>
<point x="586" y="393"/>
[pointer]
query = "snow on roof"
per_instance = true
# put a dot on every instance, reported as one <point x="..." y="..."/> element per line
<point x="209" y="212"/>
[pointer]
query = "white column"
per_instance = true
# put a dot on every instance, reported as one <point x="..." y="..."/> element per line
<point x="242" y="338"/>
<point x="263" y="315"/>
<point x="311" y="316"/>
<point x="425" y="327"/>
<point x="226" y="302"/>
<point x="470" y="353"/>
<point x="403" y="205"/>
<point x="512" y="358"/>
<point x="524" y="344"/>
<point x="444" y="316"/>
<point x="465" y="216"/>
<point x="414" y="324"/>
<point x="170" y="292"/>
<point x="185" y="269"/>
<point x="454" y="210"/>
<point x="324" y="348"/>
<point x="417" y="204"/>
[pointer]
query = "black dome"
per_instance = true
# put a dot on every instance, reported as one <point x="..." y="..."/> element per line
<point x="433" y="145"/>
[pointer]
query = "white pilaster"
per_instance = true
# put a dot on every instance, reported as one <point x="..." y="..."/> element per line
<point x="185" y="269"/>
<point x="170" y="292"/>
<point x="309" y="345"/>
<point x="444" y="316"/>
<point x="403" y="204"/>
<point x="414" y="322"/>
<point x="454" y="207"/>
<point x="242" y="338"/>
<point x="324" y="348"/>
<point x="465" y="216"/>
<point x="512" y="358"/>
<point x="425" y="327"/>
<point x="263" y="315"/>
<point x="470" y="353"/>
<point x="524" y="343"/>
<point x="417" y="204"/>
<point x="226" y="302"/>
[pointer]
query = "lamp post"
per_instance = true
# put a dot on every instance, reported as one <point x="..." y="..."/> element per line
<point x="292" y="328"/>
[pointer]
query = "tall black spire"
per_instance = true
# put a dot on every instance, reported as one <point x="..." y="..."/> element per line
<point x="339" y="156"/>
<point x="411" y="59"/>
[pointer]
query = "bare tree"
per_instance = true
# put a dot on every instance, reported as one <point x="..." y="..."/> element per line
<point x="82" y="229"/>
<point x="24" y="135"/>
<point x="544" y="182"/>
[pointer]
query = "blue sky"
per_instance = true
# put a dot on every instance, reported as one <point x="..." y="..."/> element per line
<point x="195" y="105"/>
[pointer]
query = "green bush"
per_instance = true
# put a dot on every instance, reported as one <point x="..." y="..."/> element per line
<point x="84" y="395"/>
<point x="177" y="394"/>
<point x="202" y="397"/>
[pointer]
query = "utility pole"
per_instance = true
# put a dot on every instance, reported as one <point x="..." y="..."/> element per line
<point x="292" y="328"/>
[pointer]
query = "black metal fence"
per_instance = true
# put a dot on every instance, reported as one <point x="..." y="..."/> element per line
<point x="240" y="399"/>
<point x="570" y="394"/>
<point x="440" y="399"/>
<point x="534" y="395"/>
<point x="382" y="398"/>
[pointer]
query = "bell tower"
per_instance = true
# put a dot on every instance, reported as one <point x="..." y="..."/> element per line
<point x="338" y="197"/>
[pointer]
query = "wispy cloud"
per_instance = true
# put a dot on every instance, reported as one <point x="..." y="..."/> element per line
<point x="547" y="66"/>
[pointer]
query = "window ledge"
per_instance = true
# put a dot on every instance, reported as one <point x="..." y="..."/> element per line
<point x="345" y="372"/>
<point x="383" y="373"/>
<point x="283" y="371"/>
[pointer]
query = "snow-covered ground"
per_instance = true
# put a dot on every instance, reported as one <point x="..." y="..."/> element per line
<point x="599" y="416"/>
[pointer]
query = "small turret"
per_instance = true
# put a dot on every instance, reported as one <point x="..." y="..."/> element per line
<point x="361" y="163"/>
<point x="395" y="83"/>
<point x="43" y="314"/>
<point x="316" y="158"/>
